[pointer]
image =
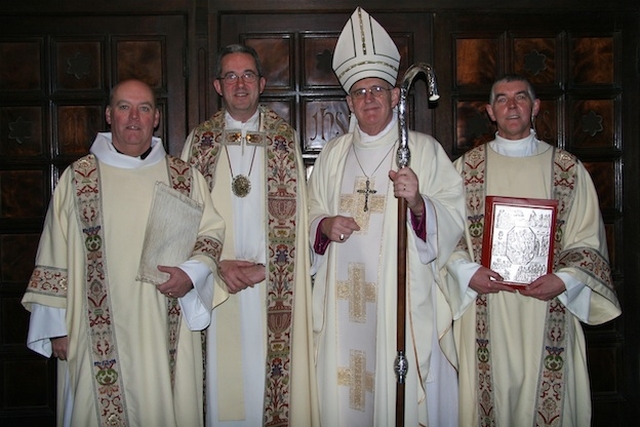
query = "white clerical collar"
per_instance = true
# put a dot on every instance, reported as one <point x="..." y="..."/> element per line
<point x="366" y="138"/>
<point x="524" y="147"/>
<point x="252" y="124"/>
<point x="104" y="150"/>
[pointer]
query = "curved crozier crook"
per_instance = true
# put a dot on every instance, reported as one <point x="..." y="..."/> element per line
<point x="403" y="155"/>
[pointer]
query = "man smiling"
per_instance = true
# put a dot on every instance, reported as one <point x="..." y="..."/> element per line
<point x="353" y="212"/>
<point x="522" y="354"/>
<point x="126" y="332"/>
<point x="132" y="118"/>
<point x="251" y="159"/>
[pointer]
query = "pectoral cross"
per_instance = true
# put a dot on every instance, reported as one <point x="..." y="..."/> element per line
<point x="367" y="190"/>
<point x="352" y="204"/>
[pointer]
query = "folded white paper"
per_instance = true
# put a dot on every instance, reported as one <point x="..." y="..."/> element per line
<point x="172" y="230"/>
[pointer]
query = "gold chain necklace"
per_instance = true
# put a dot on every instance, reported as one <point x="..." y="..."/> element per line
<point x="241" y="184"/>
<point x="368" y="190"/>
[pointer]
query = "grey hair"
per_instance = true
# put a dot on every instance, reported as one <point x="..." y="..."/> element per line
<point x="511" y="78"/>
<point x="237" y="48"/>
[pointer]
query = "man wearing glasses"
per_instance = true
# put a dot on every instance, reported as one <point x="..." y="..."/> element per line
<point x="259" y="345"/>
<point x="353" y="214"/>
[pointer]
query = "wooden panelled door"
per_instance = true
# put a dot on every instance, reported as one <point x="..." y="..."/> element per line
<point x="574" y="62"/>
<point x="296" y="52"/>
<point x="55" y="77"/>
<point x="575" y="68"/>
<point x="54" y="80"/>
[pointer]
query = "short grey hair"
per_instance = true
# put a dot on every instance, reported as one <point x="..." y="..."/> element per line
<point x="511" y="78"/>
<point x="237" y="48"/>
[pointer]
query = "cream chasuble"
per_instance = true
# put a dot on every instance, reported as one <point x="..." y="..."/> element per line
<point x="355" y="287"/>
<point x="520" y="363"/>
<point x="137" y="312"/>
<point x="363" y="197"/>
<point x="237" y="338"/>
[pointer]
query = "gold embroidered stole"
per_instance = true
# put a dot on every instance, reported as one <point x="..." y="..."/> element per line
<point x="550" y="391"/>
<point x="281" y="186"/>
<point x="108" y="388"/>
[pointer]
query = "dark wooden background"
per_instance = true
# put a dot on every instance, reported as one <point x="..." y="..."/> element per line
<point x="59" y="59"/>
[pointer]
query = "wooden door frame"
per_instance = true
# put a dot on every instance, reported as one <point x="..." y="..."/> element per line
<point x="203" y="41"/>
<point x="180" y="14"/>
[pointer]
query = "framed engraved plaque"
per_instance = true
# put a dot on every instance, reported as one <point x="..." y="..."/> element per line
<point x="518" y="238"/>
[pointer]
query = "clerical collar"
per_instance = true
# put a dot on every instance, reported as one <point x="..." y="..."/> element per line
<point x="141" y="156"/>
<point x="365" y="137"/>
<point x="524" y="147"/>
<point x="103" y="148"/>
<point x="252" y="124"/>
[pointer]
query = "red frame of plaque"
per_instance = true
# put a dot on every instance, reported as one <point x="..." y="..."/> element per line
<point x="519" y="238"/>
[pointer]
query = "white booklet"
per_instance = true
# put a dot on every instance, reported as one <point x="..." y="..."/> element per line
<point x="172" y="230"/>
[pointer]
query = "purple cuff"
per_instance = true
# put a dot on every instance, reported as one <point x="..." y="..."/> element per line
<point x="419" y="225"/>
<point x="322" y="242"/>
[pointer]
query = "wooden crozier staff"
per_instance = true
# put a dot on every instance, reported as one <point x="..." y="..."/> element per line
<point x="403" y="157"/>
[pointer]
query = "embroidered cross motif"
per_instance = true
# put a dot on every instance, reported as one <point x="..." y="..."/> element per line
<point x="357" y="292"/>
<point x="350" y="203"/>
<point x="357" y="378"/>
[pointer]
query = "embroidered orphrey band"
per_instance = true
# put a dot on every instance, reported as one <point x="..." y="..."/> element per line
<point x="108" y="388"/>
<point x="550" y="393"/>
<point x="281" y="182"/>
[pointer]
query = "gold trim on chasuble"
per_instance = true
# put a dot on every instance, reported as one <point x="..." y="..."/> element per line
<point x="282" y="205"/>
<point x="108" y="389"/>
<point x="357" y="378"/>
<point x="357" y="291"/>
<point x="234" y="137"/>
<point x="550" y="394"/>
<point x="354" y="204"/>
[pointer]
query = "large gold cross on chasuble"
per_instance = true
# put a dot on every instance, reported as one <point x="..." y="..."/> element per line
<point x="357" y="379"/>
<point x="354" y="204"/>
<point x="357" y="292"/>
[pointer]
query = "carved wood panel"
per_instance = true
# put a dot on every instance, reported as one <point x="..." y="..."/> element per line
<point x="55" y="77"/>
<point x="572" y="82"/>
<point x="576" y="63"/>
<point x="296" y="51"/>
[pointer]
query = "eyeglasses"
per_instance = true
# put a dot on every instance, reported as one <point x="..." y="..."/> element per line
<point x="375" y="91"/>
<point x="233" y="78"/>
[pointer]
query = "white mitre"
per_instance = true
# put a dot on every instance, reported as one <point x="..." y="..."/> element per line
<point x="364" y="49"/>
